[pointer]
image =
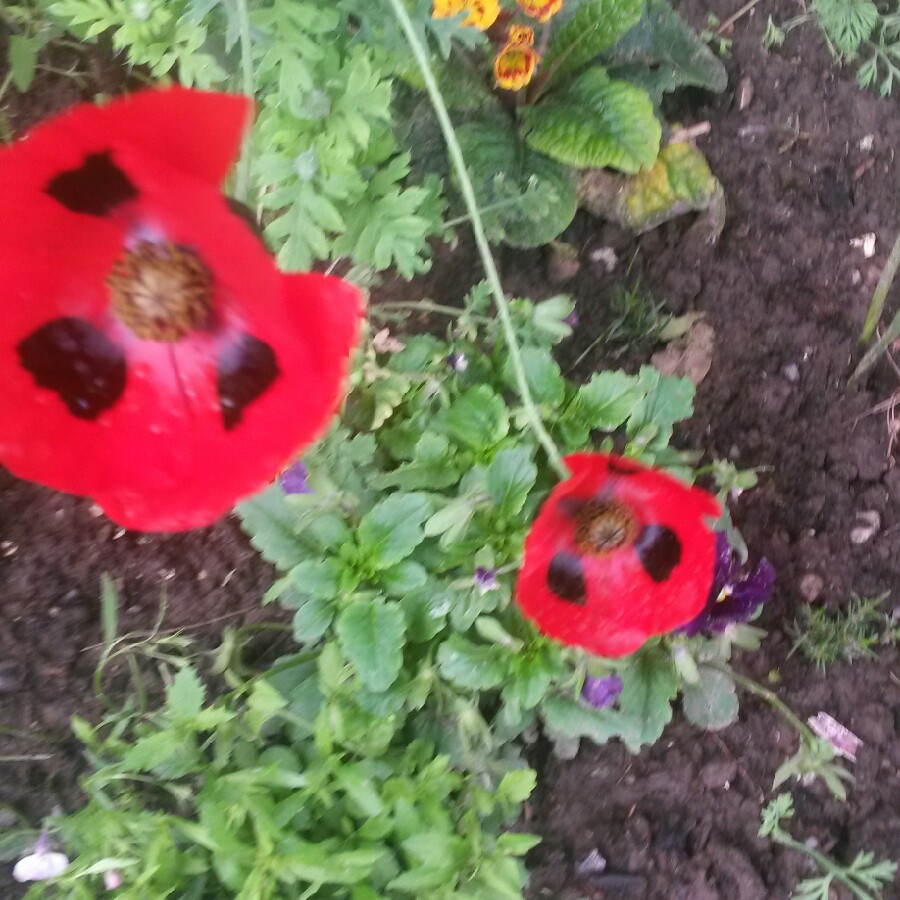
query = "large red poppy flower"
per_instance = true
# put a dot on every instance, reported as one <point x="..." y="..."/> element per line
<point x="618" y="553"/>
<point x="151" y="355"/>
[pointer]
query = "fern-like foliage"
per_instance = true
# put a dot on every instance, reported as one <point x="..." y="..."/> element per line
<point x="847" y="23"/>
<point x="328" y="176"/>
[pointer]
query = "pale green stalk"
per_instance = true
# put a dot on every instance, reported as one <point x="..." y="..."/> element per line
<point x="484" y="250"/>
<point x="242" y="175"/>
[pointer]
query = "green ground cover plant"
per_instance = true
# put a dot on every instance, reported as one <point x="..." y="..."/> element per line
<point x="385" y="755"/>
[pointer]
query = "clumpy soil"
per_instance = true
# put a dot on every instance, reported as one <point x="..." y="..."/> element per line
<point x="786" y="294"/>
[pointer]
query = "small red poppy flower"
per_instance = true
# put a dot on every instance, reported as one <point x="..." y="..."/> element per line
<point x="618" y="553"/>
<point x="151" y="355"/>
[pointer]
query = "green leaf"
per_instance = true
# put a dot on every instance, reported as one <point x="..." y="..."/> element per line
<point x="662" y="53"/>
<point x="609" y="398"/>
<point x="318" y="578"/>
<point x="649" y="684"/>
<point x="527" y="198"/>
<point x="667" y="400"/>
<point x="372" y="634"/>
<point x="403" y="578"/>
<point x="23" y="53"/>
<point x="392" y="529"/>
<point x="271" y="523"/>
<point x="311" y="620"/>
<point x="574" y="719"/>
<point x="594" y="123"/>
<point x="517" y="786"/>
<point x="478" y="419"/>
<point x="109" y="609"/>
<point x="432" y="467"/>
<point x="473" y="666"/>
<point x="185" y="695"/>
<point x="510" y="476"/>
<point x="595" y="26"/>
<point x="542" y="373"/>
<point x="150" y="751"/>
<point x="712" y="702"/>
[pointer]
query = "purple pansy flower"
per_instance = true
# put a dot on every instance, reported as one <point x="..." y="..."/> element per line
<point x="485" y="579"/>
<point x="458" y="362"/>
<point x="734" y="595"/>
<point x="572" y="319"/>
<point x="294" y="479"/>
<point x="601" y="692"/>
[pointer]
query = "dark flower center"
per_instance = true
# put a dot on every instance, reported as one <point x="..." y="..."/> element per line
<point x="162" y="292"/>
<point x="601" y="526"/>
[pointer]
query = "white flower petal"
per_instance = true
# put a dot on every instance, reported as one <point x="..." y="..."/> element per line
<point x="40" y="866"/>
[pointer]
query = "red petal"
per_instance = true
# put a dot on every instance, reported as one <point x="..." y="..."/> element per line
<point x="161" y="458"/>
<point x="624" y="605"/>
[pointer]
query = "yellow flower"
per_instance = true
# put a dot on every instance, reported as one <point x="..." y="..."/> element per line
<point x="514" y="66"/>
<point x="521" y="34"/>
<point x="481" y="13"/>
<point x="542" y="10"/>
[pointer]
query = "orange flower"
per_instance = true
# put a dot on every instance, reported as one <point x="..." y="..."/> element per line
<point x="514" y="66"/>
<point x="520" y="34"/>
<point x="481" y="13"/>
<point x="542" y="10"/>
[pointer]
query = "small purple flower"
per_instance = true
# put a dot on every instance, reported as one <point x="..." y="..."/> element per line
<point x="572" y="319"/>
<point x="293" y="479"/>
<point x="601" y="692"/>
<point x="42" y="864"/>
<point x="112" y="879"/>
<point x="485" y="580"/>
<point x="458" y="362"/>
<point x="734" y="594"/>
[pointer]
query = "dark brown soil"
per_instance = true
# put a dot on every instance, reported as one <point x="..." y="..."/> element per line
<point x="782" y="292"/>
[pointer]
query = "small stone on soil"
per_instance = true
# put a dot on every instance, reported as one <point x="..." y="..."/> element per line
<point x="866" y="526"/>
<point x="592" y="864"/>
<point x="811" y="587"/>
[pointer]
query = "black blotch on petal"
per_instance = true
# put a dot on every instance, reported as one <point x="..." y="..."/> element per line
<point x="244" y="371"/>
<point x="78" y="362"/>
<point x="96" y="187"/>
<point x="659" y="550"/>
<point x="566" y="578"/>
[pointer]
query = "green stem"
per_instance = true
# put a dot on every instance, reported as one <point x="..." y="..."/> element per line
<point x="824" y="863"/>
<point x="484" y="250"/>
<point x="754" y="687"/>
<point x="427" y="306"/>
<point x="242" y="175"/>
<point x="491" y="207"/>
<point x="879" y="347"/>
<point x="881" y="292"/>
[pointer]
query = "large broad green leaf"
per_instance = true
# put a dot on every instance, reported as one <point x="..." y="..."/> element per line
<point x="271" y="522"/>
<point x="527" y="199"/>
<point x="392" y="529"/>
<point x="662" y="53"/>
<point x="595" y="122"/>
<point x="510" y="477"/>
<point x="372" y="634"/>
<point x="595" y="26"/>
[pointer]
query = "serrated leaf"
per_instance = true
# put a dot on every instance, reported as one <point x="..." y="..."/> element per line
<point x="311" y="620"/>
<point x="185" y="695"/>
<point x="372" y="634"/>
<point x="573" y="719"/>
<point x="595" y="26"/>
<point x="667" y="400"/>
<point x="271" y="523"/>
<point x="649" y="684"/>
<point x="662" y="53"/>
<point x="609" y="398"/>
<point x="473" y="666"/>
<point x="509" y="477"/>
<point x="517" y="786"/>
<point x="542" y="374"/>
<point x="712" y="702"/>
<point x="478" y="419"/>
<point x="594" y="123"/>
<point x="392" y="529"/>
<point x="319" y="578"/>
<point x="533" y="197"/>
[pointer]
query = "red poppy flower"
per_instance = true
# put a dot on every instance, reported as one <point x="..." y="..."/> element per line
<point x="151" y="355"/>
<point x="618" y="553"/>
